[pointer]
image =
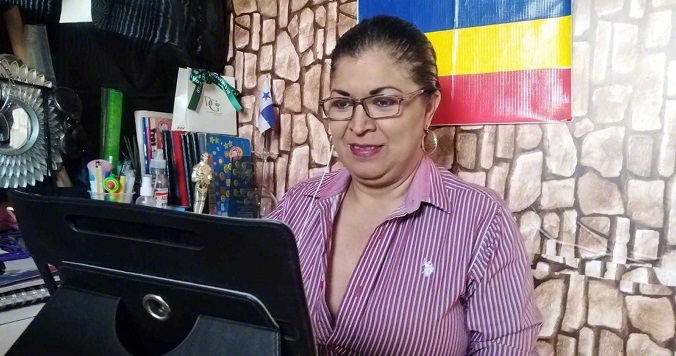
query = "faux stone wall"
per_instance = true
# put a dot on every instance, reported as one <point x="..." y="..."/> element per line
<point x="602" y="225"/>
<point x="289" y="42"/>
<point x="593" y="316"/>
<point x="595" y="199"/>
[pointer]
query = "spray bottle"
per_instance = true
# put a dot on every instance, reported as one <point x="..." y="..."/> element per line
<point x="146" y="197"/>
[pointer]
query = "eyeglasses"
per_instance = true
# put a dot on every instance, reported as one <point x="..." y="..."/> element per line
<point x="380" y="106"/>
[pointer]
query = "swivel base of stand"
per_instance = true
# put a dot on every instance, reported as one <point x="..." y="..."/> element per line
<point x="75" y="322"/>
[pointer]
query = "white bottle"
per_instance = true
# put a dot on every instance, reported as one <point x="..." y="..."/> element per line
<point x="161" y="190"/>
<point x="146" y="197"/>
<point x="158" y="164"/>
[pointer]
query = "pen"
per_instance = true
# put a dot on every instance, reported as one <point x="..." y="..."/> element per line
<point x="123" y="188"/>
<point x="99" y="178"/>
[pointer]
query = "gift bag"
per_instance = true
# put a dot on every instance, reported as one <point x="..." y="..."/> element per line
<point x="205" y="102"/>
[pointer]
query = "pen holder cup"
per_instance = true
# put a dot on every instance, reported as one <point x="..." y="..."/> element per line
<point x="116" y="197"/>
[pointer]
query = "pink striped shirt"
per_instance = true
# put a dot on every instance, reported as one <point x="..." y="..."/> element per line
<point x="444" y="274"/>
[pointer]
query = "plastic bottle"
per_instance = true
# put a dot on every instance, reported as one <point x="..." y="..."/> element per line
<point x="158" y="164"/>
<point x="158" y="171"/>
<point x="161" y="190"/>
<point x="146" y="197"/>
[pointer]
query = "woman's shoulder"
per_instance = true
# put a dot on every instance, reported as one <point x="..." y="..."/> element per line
<point x="314" y="185"/>
<point x="299" y="194"/>
<point x="459" y="188"/>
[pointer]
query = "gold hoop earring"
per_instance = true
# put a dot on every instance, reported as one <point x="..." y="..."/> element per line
<point x="435" y="141"/>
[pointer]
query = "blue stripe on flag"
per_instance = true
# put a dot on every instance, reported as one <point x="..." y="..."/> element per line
<point x="438" y="15"/>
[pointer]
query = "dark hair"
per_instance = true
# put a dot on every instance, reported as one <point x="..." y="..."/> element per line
<point x="400" y="38"/>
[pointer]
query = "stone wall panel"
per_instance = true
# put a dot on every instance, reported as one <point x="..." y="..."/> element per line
<point x="610" y="343"/>
<point x="580" y="69"/>
<point x="497" y="178"/>
<point x="576" y="305"/>
<point x="466" y="148"/>
<point x="525" y="182"/>
<point x="645" y="202"/>
<point x="598" y="195"/>
<point x="604" y="297"/>
<point x="560" y="150"/>
<point x="648" y="93"/>
<point x="528" y="136"/>
<point x="549" y="296"/>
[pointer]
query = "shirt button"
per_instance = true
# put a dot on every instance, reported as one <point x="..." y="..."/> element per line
<point x="358" y="290"/>
<point x="330" y="349"/>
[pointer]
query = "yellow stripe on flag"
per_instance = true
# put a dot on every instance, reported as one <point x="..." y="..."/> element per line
<point x="525" y="45"/>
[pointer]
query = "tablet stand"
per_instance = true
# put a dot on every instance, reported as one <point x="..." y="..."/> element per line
<point x="148" y="281"/>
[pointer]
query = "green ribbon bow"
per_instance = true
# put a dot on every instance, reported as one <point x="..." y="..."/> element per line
<point x="201" y="76"/>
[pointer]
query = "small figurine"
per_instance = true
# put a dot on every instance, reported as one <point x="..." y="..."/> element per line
<point x="202" y="175"/>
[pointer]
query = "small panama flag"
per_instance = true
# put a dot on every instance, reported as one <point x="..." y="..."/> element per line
<point x="266" y="120"/>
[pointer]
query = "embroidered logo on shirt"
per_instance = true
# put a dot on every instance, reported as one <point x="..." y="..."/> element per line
<point x="427" y="268"/>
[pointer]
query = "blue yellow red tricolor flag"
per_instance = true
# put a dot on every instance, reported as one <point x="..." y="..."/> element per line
<point x="500" y="61"/>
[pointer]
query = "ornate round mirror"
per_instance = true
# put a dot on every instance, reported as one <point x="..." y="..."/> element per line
<point x="26" y="122"/>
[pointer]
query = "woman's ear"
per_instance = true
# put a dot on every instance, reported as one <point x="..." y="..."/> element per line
<point x="431" y="107"/>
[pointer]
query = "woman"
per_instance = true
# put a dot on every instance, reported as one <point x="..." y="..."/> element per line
<point x="398" y="256"/>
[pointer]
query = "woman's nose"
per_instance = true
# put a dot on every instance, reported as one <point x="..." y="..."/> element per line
<point x="361" y="123"/>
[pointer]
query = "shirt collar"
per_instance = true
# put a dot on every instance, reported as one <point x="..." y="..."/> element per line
<point x="426" y="187"/>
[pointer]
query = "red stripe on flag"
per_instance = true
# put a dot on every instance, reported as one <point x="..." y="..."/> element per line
<point x="538" y="95"/>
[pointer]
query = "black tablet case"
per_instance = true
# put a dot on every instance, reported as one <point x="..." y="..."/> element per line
<point x="234" y="285"/>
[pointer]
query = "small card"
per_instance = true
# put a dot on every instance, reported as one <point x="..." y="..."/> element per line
<point x="76" y="11"/>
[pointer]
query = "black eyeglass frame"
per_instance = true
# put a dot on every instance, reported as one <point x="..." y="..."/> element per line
<point x="400" y="97"/>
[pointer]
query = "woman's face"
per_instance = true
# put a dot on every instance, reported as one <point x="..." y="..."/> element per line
<point x="379" y="152"/>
